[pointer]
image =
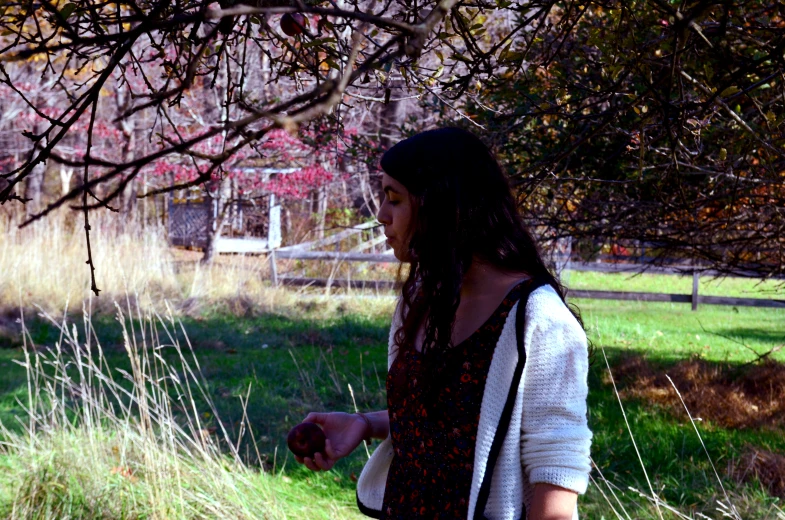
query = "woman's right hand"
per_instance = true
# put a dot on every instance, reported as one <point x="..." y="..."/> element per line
<point x="343" y="433"/>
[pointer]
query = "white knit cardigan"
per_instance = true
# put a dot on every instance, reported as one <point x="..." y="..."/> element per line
<point x="548" y="439"/>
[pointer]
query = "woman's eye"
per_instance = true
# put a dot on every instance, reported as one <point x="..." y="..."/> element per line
<point x="394" y="202"/>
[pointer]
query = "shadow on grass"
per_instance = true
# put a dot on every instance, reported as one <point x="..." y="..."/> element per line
<point x="723" y="397"/>
<point x="749" y="335"/>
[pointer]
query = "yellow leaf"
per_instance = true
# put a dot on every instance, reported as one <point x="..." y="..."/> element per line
<point x="729" y="91"/>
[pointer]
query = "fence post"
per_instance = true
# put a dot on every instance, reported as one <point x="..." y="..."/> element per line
<point x="273" y="268"/>
<point x="274" y="235"/>
<point x="695" y="278"/>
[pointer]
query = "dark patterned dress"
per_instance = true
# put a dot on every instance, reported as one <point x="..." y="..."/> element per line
<point x="433" y="423"/>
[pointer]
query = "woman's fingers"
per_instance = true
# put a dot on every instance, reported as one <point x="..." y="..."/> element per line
<point x="323" y="463"/>
<point x="308" y="461"/>
<point x="315" y="417"/>
<point x="318" y="463"/>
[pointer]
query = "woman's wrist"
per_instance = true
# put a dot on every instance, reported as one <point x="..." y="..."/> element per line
<point x="368" y="426"/>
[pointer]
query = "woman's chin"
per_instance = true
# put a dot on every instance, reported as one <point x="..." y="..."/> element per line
<point x="402" y="256"/>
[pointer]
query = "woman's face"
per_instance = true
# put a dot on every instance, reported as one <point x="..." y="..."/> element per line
<point x="396" y="216"/>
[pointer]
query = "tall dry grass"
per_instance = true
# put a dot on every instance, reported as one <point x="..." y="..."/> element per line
<point x="44" y="265"/>
<point x="98" y="444"/>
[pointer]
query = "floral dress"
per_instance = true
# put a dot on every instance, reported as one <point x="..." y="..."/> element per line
<point x="433" y="423"/>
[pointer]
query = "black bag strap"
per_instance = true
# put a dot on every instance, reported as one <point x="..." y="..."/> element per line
<point x="504" y="422"/>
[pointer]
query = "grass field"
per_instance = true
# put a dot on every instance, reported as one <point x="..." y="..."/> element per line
<point x="263" y="358"/>
<point x="301" y="360"/>
<point x="675" y="284"/>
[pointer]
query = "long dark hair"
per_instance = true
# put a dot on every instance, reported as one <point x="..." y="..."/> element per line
<point x="462" y="207"/>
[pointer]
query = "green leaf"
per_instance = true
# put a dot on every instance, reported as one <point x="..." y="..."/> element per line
<point x="318" y="41"/>
<point x="67" y="10"/>
<point x="708" y="71"/>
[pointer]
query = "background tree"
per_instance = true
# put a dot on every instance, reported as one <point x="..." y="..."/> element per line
<point x="650" y="122"/>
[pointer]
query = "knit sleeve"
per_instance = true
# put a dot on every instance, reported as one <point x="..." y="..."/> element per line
<point x="555" y="440"/>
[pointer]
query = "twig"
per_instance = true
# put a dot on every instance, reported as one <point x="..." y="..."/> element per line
<point x="758" y="358"/>
<point x="733" y="114"/>
<point x="632" y="437"/>
<point x="732" y="507"/>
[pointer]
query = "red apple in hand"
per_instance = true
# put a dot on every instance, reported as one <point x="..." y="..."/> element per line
<point x="306" y="440"/>
<point x="292" y="23"/>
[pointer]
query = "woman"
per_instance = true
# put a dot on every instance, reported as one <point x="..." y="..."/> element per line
<point x="477" y="425"/>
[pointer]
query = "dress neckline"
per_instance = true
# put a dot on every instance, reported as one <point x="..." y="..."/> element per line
<point x="488" y="321"/>
<point x="495" y="313"/>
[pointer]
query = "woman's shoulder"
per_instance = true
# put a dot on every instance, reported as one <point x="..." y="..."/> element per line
<point x="545" y="297"/>
<point x="545" y="308"/>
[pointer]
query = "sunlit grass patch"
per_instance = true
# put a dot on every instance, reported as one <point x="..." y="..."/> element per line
<point x="671" y="331"/>
<point x="675" y="284"/>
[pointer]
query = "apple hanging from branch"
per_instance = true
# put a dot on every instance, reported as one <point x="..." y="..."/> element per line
<point x="293" y="23"/>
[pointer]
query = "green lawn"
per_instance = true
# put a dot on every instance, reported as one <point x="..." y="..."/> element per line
<point x="670" y="332"/>
<point x="299" y="360"/>
<point x="675" y="284"/>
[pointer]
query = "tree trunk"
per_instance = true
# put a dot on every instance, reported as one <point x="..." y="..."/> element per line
<point x="129" y="195"/>
<point x="222" y="194"/>
<point x="319" y="210"/>
<point x="34" y="187"/>
<point x="34" y="182"/>
<point x="389" y="124"/>
<point x="66" y="174"/>
<point x="127" y="199"/>
<point x="217" y="219"/>
<point x="213" y="233"/>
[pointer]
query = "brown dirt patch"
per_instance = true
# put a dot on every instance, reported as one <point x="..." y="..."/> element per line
<point x="733" y="397"/>
<point x="767" y="467"/>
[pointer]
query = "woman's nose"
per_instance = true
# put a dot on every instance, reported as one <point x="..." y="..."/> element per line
<point x="382" y="215"/>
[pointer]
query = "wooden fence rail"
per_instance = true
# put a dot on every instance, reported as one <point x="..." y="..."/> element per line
<point x="694" y="299"/>
<point x="677" y="298"/>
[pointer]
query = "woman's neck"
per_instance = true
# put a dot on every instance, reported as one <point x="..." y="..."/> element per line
<point x="483" y="277"/>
